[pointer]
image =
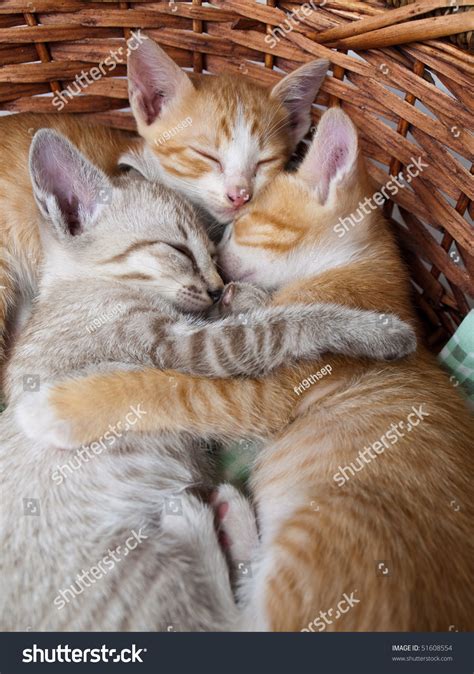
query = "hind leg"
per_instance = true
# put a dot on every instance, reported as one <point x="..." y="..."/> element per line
<point x="237" y="526"/>
<point x="207" y="602"/>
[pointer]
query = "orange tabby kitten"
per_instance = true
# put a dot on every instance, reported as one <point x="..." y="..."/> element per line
<point x="220" y="140"/>
<point x="364" y="499"/>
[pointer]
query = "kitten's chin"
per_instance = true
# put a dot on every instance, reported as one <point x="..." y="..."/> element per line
<point x="192" y="306"/>
<point x="224" y="215"/>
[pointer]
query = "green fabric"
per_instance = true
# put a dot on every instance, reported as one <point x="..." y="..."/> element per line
<point x="235" y="461"/>
<point x="458" y="357"/>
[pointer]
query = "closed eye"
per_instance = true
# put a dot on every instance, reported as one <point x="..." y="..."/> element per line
<point x="207" y="156"/>
<point x="267" y="161"/>
<point x="184" y="250"/>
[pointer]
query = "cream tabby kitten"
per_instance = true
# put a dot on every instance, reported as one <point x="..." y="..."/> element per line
<point x="220" y="140"/>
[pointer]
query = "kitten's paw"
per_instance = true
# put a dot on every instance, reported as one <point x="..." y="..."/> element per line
<point x="400" y="340"/>
<point x="241" y="297"/>
<point x="236" y="522"/>
<point x="38" y="421"/>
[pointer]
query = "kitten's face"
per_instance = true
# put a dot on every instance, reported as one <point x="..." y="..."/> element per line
<point x="257" y="246"/>
<point x="233" y="141"/>
<point x="288" y="232"/>
<point x="154" y="241"/>
<point x="218" y="142"/>
<point x="144" y="236"/>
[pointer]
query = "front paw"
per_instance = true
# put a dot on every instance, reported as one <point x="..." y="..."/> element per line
<point x="38" y="420"/>
<point x="240" y="297"/>
<point x="400" y="340"/>
<point x="236" y="521"/>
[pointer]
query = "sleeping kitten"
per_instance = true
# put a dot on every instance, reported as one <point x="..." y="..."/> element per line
<point x="219" y="140"/>
<point x="375" y="455"/>
<point x="115" y="535"/>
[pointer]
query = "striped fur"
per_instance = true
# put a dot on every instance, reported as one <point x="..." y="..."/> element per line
<point x="96" y="254"/>
<point x="404" y="507"/>
<point x="256" y="342"/>
<point x="248" y="129"/>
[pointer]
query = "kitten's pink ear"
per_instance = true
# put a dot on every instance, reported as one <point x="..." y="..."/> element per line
<point x="69" y="190"/>
<point x="154" y="80"/>
<point x="332" y="156"/>
<point x="297" y="92"/>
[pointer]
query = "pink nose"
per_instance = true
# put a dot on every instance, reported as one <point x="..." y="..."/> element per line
<point x="238" y="196"/>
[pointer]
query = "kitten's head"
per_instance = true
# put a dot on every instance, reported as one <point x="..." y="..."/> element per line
<point x="289" y="231"/>
<point x="130" y="232"/>
<point x="221" y="140"/>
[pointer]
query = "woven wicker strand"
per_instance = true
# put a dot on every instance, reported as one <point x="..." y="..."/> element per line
<point x="464" y="40"/>
<point x="405" y="85"/>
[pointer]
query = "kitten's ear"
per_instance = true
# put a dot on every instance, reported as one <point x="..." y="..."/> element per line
<point x="68" y="189"/>
<point x="297" y="92"/>
<point x="154" y="80"/>
<point x="332" y="156"/>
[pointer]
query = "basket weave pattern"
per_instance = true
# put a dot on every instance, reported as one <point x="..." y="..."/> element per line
<point x="407" y="89"/>
<point x="465" y="39"/>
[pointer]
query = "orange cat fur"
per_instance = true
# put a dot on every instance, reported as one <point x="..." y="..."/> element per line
<point x="397" y="533"/>
<point x="217" y="140"/>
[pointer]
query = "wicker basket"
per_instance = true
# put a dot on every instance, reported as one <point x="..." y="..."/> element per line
<point x="407" y="88"/>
